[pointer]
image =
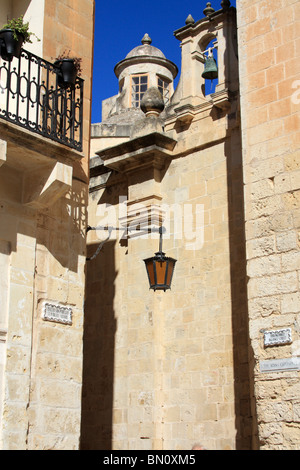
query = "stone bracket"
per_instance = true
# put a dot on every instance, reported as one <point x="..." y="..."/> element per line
<point x="185" y="114"/>
<point x="154" y="150"/>
<point x="199" y="56"/>
<point x="220" y="99"/>
<point x="42" y="187"/>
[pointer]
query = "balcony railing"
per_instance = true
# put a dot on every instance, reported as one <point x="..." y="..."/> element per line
<point x="31" y="96"/>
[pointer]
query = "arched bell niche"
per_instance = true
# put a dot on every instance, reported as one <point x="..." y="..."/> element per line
<point x="208" y="46"/>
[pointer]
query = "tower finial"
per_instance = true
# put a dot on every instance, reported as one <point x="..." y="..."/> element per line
<point x="208" y="10"/>
<point x="152" y="103"/>
<point x="146" y="39"/>
<point x="225" y="4"/>
<point x="190" y="20"/>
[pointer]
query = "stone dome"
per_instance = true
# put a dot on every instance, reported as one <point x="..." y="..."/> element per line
<point x="146" y="54"/>
<point x="146" y="49"/>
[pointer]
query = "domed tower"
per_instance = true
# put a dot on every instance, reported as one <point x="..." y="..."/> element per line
<point x="144" y="67"/>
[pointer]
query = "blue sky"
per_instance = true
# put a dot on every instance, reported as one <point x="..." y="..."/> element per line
<point x="120" y="26"/>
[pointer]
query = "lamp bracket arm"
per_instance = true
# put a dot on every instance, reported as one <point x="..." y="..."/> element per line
<point x="100" y="246"/>
<point x="160" y="230"/>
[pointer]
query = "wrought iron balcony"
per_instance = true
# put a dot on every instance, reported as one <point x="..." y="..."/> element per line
<point x="32" y="96"/>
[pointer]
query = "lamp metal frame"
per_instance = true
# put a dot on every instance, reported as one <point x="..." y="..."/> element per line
<point x="162" y="263"/>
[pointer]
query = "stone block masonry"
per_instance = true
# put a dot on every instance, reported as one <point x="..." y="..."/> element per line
<point x="269" y="38"/>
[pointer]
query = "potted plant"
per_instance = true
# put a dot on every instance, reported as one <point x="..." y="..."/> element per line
<point x="13" y="35"/>
<point x="69" y="68"/>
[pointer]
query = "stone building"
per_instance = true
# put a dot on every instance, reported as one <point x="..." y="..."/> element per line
<point x="90" y="356"/>
<point x="268" y="36"/>
<point x="214" y="359"/>
<point x="44" y="150"/>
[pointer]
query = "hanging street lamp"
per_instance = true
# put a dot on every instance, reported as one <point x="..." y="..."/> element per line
<point x="160" y="268"/>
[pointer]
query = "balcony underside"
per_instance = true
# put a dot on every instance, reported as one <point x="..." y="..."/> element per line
<point x="42" y="169"/>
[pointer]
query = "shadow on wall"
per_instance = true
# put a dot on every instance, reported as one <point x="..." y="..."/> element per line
<point x="245" y="407"/>
<point x="98" y="350"/>
<point x="61" y="228"/>
<point x="13" y="9"/>
<point x="245" y="411"/>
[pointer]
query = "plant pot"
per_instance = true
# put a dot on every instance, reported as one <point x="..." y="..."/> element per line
<point x="67" y="72"/>
<point x="9" y="46"/>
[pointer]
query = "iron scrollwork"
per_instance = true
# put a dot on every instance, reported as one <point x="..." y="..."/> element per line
<point x="31" y="97"/>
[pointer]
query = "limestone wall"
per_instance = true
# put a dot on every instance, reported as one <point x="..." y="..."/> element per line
<point x="69" y="26"/>
<point x="43" y="199"/>
<point x="171" y="368"/>
<point x="268" y="35"/>
<point x="163" y="370"/>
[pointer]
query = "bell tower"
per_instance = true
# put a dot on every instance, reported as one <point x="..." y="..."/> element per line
<point x="208" y="44"/>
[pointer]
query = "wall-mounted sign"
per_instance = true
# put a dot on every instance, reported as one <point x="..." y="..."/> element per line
<point x="278" y="365"/>
<point x="57" y="313"/>
<point x="276" y="337"/>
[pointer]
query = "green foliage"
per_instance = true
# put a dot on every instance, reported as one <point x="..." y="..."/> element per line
<point x="17" y="25"/>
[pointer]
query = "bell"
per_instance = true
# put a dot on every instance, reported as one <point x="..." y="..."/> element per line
<point x="210" y="69"/>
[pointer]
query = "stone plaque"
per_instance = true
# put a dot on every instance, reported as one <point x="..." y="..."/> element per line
<point x="57" y="313"/>
<point x="275" y="337"/>
<point x="278" y="365"/>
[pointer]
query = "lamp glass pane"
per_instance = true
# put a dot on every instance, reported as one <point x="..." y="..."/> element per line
<point x="170" y="271"/>
<point x="160" y="271"/>
<point x="150" y="270"/>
